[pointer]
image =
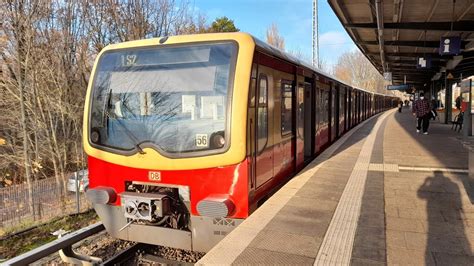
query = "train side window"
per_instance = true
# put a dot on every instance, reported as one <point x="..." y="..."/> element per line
<point x="262" y="112"/>
<point x="252" y="91"/>
<point x="253" y="86"/>
<point x="286" y="108"/>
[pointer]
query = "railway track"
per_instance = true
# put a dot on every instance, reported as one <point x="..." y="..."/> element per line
<point x="62" y="244"/>
<point x="140" y="254"/>
<point x="136" y="254"/>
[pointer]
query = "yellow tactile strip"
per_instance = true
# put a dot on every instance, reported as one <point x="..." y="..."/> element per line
<point x="337" y="245"/>
<point x="226" y="251"/>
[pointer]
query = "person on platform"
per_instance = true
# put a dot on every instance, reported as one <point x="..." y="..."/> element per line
<point x="458" y="102"/>
<point x="400" y="105"/>
<point x="434" y="106"/>
<point x="422" y="111"/>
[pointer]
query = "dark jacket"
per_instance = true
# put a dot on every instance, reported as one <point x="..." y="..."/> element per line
<point x="421" y="107"/>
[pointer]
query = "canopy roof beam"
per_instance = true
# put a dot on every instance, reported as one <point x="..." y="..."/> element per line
<point x="465" y="26"/>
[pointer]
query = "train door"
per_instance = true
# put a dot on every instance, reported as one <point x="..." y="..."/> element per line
<point x="289" y="138"/>
<point x="354" y="108"/>
<point x="317" y="117"/>
<point x="323" y="116"/>
<point x="334" y="112"/>
<point x="358" y="107"/>
<point x="308" y="125"/>
<point x="263" y="140"/>
<point x="300" y="125"/>
<point x="348" y="108"/>
<point x="363" y="106"/>
<point x="251" y="129"/>
<point x="342" y="111"/>
<point x="330" y="123"/>
<point x="366" y="105"/>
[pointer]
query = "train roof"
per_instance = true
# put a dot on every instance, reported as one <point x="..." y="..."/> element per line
<point x="288" y="57"/>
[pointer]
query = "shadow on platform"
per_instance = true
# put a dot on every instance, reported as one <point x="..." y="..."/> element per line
<point x="447" y="242"/>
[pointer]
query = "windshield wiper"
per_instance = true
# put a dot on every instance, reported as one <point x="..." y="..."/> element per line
<point x="129" y="134"/>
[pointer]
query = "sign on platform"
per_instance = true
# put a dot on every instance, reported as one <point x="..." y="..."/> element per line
<point x="467" y="92"/>
<point x="423" y="62"/>
<point x="398" y="87"/>
<point x="450" y="45"/>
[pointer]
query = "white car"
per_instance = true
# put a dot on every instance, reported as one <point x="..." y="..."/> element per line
<point x="82" y="178"/>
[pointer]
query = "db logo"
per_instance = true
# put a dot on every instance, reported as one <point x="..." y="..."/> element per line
<point x="154" y="176"/>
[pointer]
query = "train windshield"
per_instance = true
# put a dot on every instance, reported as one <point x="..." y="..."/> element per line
<point x="174" y="99"/>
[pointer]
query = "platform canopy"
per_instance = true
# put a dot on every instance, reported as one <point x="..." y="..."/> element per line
<point x="403" y="36"/>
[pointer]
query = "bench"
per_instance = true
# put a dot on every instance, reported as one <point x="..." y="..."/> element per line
<point x="458" y="121"/>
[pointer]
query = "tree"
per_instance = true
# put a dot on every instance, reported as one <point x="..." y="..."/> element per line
<point x="354" y="68"/>
<point x="223" y="24"/>
<point x="274" y="38"/>
<point x="47" y="49"/>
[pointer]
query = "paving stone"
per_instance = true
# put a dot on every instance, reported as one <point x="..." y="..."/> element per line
<point x="389" y="193"/>
<point x="420" y="213"/>
<point x="363" y="262"/>
<point x="372" y="219"/>
<point x="406" y="225"/>
<point x="452" y="259"/>
<point x="318" y="204"/>
<point x="326" y="186"/>
<point x="370" y="237"/>
<point x="391" y="211"/>
<point x="287" y="243"/>
<point x="396" y="239"/>
<point x="451" y="216"/>
<point x="302" y="225"/>
<point x="441" y="228"/>
<point x="416" y="241"/>
<point x="377" y="205"/>
<point x="448" y="244"/>
<point x="317" y="192"/>
<point x="396" y="256"/>
<point x="369" y="253"/>
<point x="305" y="210"/>
<point x="266" y="257"/>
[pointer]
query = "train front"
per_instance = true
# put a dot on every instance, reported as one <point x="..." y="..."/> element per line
<point x="164" y="129"/>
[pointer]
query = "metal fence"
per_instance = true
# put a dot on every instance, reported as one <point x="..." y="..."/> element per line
<point x="47" y="203"/>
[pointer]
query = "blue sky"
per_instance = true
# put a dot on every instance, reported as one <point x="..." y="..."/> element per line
<point x="293" y="18"/>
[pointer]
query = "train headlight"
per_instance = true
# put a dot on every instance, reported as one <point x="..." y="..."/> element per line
<point x="95" y="136"/>
<point x="101" y="195"/>
<point x="216" y="206"/>
<point x="218" y="141"/>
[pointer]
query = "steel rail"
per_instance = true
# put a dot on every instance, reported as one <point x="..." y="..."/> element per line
<point x="124" y="255"/>
<point x="58" y="244"/>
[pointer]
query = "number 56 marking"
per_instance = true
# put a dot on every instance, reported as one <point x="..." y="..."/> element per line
<point x="201" y="140"/>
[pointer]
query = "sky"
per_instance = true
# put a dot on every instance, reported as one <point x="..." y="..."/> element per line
<point x="293" y="19"/>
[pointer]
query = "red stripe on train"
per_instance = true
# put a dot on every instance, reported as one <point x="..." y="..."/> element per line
<point x="229" y="180"/>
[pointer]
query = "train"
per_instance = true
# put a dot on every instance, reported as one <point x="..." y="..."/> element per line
<point x="187" y="135"/>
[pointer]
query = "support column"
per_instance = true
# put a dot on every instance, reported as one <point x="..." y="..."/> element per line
<point x="448" y="102"/>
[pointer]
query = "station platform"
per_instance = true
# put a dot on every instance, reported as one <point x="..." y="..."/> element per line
<point x="381" y="194"/>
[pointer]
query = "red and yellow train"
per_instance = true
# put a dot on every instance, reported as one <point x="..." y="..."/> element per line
<point x="187" y="135"/>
